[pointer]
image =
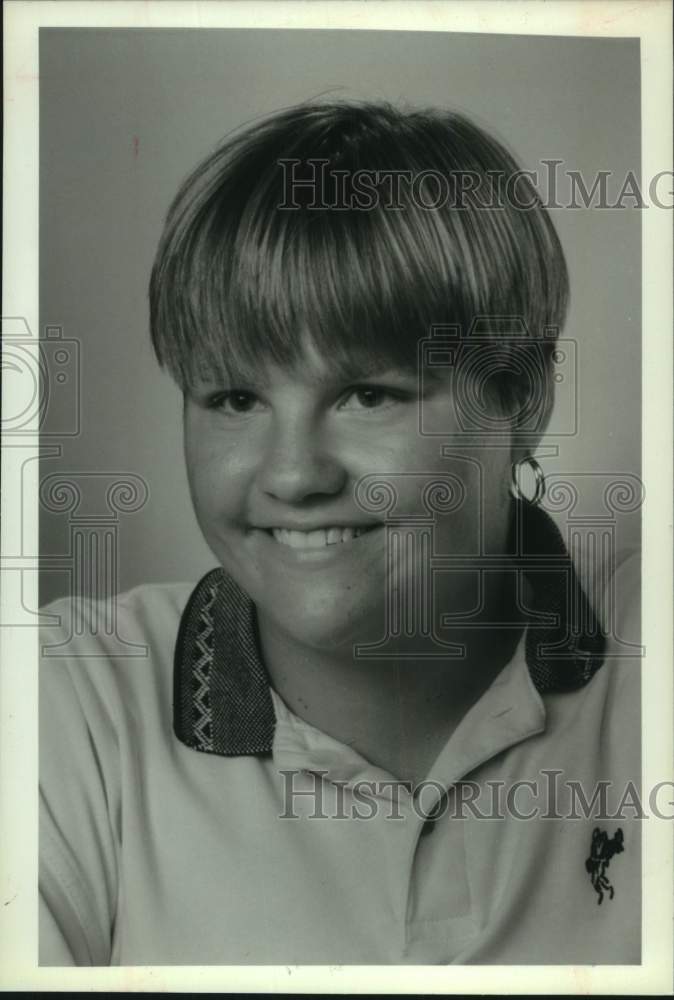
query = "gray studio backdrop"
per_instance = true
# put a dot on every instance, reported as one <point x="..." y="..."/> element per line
<point x="125" y="114"/>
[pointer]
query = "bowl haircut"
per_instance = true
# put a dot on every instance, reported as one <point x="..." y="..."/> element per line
<point x="412" y="219"/>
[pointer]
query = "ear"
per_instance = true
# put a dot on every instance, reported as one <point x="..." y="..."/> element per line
<point x="522" y="449"/>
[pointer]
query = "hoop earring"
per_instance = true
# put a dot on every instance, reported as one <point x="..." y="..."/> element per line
<point x="539" y="491"/>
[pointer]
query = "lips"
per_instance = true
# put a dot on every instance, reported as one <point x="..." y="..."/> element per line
<point x="318" y="538"/>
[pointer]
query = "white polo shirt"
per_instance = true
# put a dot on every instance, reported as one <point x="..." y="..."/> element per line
<point x="187" y="847"/>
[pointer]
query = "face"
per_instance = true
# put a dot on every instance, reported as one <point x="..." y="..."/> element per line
<point x="274" y="466"/>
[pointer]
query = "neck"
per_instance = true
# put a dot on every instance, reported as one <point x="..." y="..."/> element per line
<point x="397" y="712"/>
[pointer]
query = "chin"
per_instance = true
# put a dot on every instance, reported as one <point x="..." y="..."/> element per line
<point x="326" y="630"/>
<point x="322" y="639"/>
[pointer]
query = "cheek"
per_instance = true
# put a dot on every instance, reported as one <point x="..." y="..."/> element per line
<point x="495" y="501"/>
<point x="478" y="516"/>
<point x="211" y="475"/>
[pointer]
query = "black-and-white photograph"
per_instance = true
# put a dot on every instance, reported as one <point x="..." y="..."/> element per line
<point x="341" y="495"/>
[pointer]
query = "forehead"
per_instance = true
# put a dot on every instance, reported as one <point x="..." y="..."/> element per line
<point x="309" y="362"/>
<point x="316" y="365"/>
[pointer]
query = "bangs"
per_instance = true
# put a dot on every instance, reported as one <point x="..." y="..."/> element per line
<point x="243" y="277"/>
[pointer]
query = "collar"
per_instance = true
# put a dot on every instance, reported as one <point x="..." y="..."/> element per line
<point x="222" y="700"/>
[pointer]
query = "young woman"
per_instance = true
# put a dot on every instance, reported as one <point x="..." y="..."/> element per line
<point x="376" y="734"/>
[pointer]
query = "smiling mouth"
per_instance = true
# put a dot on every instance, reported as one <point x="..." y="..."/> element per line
<point x="318" y="538"/>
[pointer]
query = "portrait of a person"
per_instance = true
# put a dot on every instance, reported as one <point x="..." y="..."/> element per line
<point x="367" y="735"/>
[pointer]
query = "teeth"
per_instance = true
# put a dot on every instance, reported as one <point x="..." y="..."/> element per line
<point x="316" y="539"/>
<point x="300" y="539"/>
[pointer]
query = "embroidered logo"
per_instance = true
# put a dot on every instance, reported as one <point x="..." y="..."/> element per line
<point x="601" y="851"/>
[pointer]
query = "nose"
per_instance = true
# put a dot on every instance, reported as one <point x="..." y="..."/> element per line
<point x="300" y="464"/>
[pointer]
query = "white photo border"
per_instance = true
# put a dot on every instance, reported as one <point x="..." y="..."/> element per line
<point x="649" y="20"/>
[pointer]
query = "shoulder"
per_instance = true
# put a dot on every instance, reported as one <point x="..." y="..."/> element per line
<point x="599" y="724"/>
<point x="102" y="656"/>
<point x="142" y="608"/>
<point x="614" y="591"/>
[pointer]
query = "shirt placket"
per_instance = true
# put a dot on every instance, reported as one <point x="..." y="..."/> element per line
<point x="441" y="914"/>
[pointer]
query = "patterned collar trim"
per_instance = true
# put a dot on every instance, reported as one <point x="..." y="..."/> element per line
<point x="222" y="700"/>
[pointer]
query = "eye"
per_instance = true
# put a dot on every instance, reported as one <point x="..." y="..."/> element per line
<point x="233" y="402"/>
<point x="371" y="397"/>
